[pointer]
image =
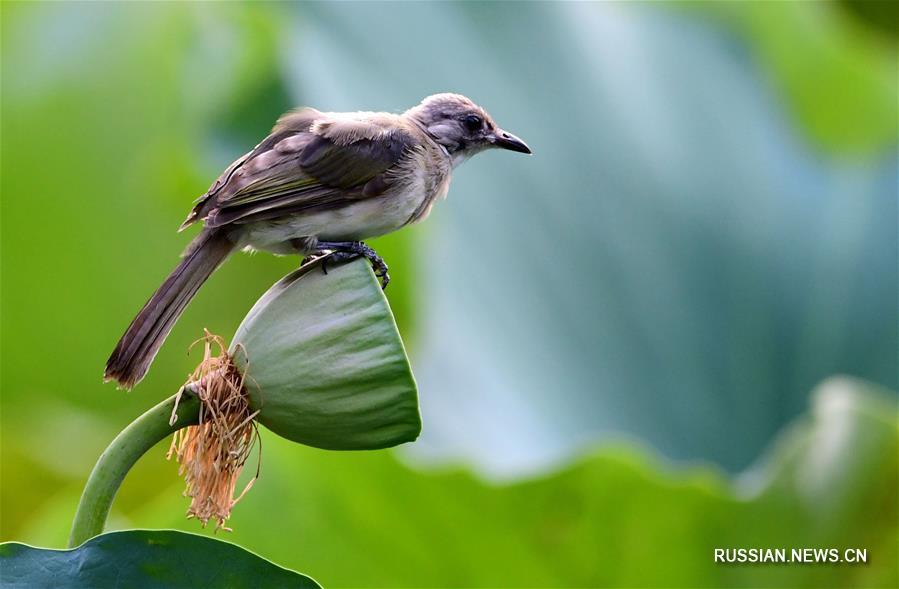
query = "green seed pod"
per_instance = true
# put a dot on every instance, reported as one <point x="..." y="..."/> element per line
<point x="324" y="362"/>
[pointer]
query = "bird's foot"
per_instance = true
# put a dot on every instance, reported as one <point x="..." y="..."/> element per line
<point x="312" y="257"/>
<point x="349" y="250"/>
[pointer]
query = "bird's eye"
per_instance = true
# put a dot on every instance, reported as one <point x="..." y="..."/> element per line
<point x="472" y="123"/>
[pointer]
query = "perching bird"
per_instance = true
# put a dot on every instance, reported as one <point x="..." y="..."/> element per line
<point x="320" y="182"/>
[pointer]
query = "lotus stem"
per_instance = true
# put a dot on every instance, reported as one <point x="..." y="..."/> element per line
<point x="133" y="442"/>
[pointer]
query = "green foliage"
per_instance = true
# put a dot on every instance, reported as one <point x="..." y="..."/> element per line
<point x="616" y="517"/>
<point x="144" y="558"/>
<point x="838" y="78"/>
<point x="324" y="362"/>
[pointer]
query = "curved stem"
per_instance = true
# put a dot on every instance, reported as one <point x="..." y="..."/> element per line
<point x="115" y="462"/>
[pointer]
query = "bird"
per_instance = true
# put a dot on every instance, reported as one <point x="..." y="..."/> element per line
<point x="320" y="183"/>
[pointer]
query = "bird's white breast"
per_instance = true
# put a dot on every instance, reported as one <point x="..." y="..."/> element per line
<point x="418" y="182"/>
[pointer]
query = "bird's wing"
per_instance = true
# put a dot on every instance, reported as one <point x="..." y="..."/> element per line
<point x="310" y="161"/>
<point x="289" y="124"/>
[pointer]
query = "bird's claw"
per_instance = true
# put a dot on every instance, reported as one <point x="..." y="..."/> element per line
<point x="350" y="250"/>
<point x="314" y="256"/>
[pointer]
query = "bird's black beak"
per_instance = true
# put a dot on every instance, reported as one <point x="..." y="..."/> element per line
<point x="506" y="140"/>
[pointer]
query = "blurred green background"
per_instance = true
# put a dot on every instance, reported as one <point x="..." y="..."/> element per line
<point x="618" y="340"/>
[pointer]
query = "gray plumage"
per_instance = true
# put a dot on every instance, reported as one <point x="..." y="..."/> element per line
<point x="319" y="181"/>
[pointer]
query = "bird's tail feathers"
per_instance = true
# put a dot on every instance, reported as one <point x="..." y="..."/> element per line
<point x="136" y="350"/>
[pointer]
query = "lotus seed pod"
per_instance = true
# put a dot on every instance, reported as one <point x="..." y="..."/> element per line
<point x="324" y="363"/>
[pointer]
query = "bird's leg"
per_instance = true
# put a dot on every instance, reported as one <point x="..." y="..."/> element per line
<point x="307" y="247"/>
<point x="348" y="250"/>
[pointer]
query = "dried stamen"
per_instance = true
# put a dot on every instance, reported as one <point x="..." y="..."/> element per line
<point x="212" y="454"/>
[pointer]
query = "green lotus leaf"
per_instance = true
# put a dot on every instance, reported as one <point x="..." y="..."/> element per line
<point x="324" y="361"/>
<point x="144" y="558"/>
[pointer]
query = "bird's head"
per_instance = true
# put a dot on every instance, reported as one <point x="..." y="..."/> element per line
<point x="462" y="127"/>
